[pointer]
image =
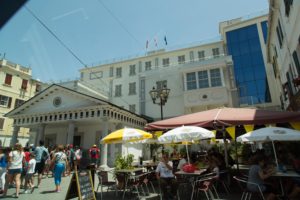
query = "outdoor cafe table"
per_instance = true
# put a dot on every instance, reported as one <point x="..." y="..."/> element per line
<point x="190" y="176"/>
<point x="287" y="174"/>
<point x="128" y="173"/>
<point x="148" y="166"/>
<point x="195" y="173"/>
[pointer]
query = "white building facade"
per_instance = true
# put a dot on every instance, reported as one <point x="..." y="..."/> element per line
<point x="199" y="78"/>
<point x="283" y="50"/>
<point x="59" y="115"/>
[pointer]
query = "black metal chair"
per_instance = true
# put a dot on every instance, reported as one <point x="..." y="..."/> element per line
<point x="104" y="182"/>
<point x="206" y="184"/>
<point x="247" y="194"/>
<point x="223" y="179"/>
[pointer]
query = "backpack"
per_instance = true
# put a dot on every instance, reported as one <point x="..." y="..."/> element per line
<point x="93" y="152"/>
<point x="44" y="156"/>
<point x="3" y="162"/>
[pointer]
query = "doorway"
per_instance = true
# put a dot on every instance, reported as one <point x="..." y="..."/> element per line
<point x="77" y="140"/>
<point x="50" y="140"/>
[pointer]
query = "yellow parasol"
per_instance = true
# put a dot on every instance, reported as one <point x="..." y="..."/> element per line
<point x="126" y="135"/>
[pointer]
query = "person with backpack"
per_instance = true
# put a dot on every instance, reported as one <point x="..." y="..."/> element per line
<point x="41" y="156"/>
<point x="60" y="162"/>
<point x="94" y="153"/>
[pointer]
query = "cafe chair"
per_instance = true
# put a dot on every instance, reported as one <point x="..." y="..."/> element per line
<point x="169" y="191"/>
<point x="104" y="182"/>
<point x="247" y="194"/>
<point x="135" y="182"/>
<point x="223" y="180"/>
<point x="206" y="185"/>
<point x="184" y="183"/>
<point x="140" y="184"/>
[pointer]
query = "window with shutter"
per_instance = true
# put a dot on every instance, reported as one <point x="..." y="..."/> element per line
<point x="296" y="61"/>
<point x="5" y="101"/>
<point x="18" y="102"/>
<point x="24" y="84"/>
<point x="1" y="123"/>
<point x="8" y="79"/>
<point x="37" y="88"/>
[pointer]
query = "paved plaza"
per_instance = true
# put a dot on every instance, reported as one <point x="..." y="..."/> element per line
<point x="46" y="192"/>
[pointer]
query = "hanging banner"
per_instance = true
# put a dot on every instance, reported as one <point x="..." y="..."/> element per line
<point x="213" y="140"/>
<point x="249" y="127"/>
<point x="158" y="133"/>
<point x="231" y="131"/>
<point x="295" y="125"/>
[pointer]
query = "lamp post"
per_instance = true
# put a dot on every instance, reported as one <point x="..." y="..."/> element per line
<point x="161" y="94"/>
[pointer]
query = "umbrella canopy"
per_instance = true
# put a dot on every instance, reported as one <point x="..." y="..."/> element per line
<point x="270" y="134"/>
<point x="226" y="117"/>
<point x="185" y="134"/>
<point x="126" y="135"/>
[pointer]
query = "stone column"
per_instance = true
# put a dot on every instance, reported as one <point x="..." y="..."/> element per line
<point x="14" y="138"/>
<point x="104" y="152"/>
<point x="40" y="134"/>
<point x="70" y="134"/>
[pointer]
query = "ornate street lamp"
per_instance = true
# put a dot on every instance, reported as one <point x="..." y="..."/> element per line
<point x="161" y="94"/>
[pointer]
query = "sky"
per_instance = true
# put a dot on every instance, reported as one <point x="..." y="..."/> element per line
<point x="89" y="32"/>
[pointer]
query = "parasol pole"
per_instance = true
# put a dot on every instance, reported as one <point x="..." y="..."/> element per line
<point x="275" y="154"/>
<point x="225" y="146"/>
<point x="236" y="155"/>
<point x="187" y="152"/>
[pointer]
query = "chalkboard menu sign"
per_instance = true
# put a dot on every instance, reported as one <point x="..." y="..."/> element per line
<point x="81" y="186"/>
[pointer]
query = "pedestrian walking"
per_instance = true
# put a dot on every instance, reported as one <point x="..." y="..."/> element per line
<point x="15" y="164"/>
<point x="41" y="156"/>
<point x="60" y="164"/>
<point x="71" y="156"/>
<point x="78" y="156"/>
<point x="25" y="166"/>
<point x="94" y="153"/>
<point x="3" y="165"/>
<point x="29" y="174"/>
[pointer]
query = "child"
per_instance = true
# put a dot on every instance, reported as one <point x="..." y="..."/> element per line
<point x="29" y="174"/>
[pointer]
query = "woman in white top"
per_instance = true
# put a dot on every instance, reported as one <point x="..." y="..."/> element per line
<point x="15" y="164"/>
<point x="78" y="156"/>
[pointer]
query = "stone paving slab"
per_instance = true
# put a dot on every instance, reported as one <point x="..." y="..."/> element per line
<point x="46" y="192"/>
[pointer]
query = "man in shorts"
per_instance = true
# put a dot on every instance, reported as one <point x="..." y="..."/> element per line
<point x="41" y="155"/>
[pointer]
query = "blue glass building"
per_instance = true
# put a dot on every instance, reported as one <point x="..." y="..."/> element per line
<point x="244" y="46"/>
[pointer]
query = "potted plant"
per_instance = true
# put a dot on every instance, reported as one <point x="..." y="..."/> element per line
<point x="122" y="162"/>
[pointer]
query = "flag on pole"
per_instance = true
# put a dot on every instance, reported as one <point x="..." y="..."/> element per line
<point x="166" y="42"/>
<point x="147" y="43"/>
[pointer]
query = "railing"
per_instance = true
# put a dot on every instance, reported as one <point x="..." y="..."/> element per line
<point x="158" y="50"/>
<point x="16" y="66"/>
<point x="246" y="17"/>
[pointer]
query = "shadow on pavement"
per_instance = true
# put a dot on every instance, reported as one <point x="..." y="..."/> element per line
<point x="47" y="192"/>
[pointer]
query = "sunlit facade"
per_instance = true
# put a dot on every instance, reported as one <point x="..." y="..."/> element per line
<point x="16" y="87"/>
<point x="245" y="40"/>
<point x="200" y="77"/>
<point x="283" y="51"/>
